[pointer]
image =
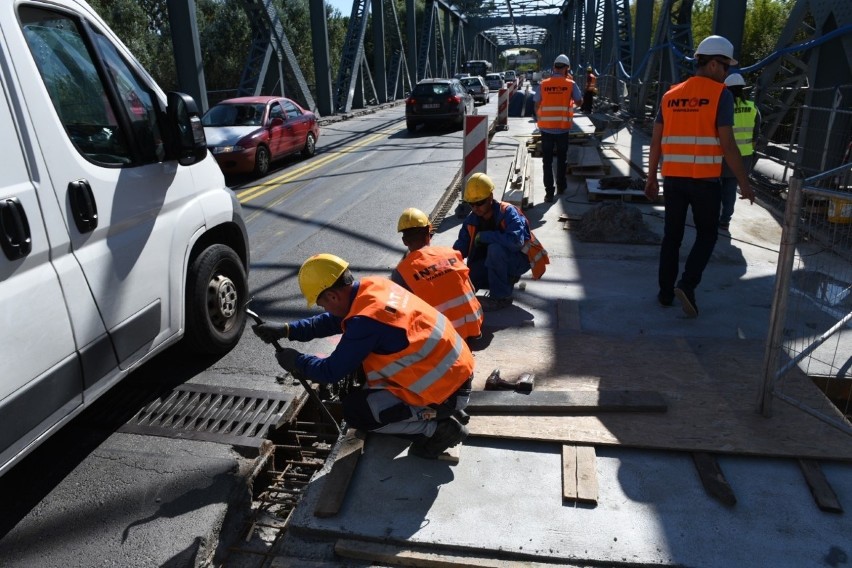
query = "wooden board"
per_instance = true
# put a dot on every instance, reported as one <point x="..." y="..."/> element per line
<point x="823" y="494"/>
<point x="564" y="402"/>
<point x="710" y="388"/>
<point x="579" y="474"/>
<point x="433" y="556"/>
<point x="713" y="479"/>
<point x="595" y="193"/>
<point x="333" y="493"/>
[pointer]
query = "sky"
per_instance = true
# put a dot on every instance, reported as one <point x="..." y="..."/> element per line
<point x="345" y="6"/>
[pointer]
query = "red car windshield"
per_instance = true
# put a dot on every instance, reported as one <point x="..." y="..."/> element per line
<point x="234" y="115"/>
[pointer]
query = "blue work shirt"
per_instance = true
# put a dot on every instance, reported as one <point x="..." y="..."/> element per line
<point x="363" y="336"/>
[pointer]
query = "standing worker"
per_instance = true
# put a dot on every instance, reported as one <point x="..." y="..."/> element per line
<point x="590" y="91"/>
<point x="693" y="131"/>
<point x="746" y="128"/>
<point x="437" y="275"/>
<point x="498" y="244"/>
<point x="554" y="112"/>
<point x="418" y="368"/>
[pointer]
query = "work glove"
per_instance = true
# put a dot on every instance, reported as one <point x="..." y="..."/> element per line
<point x="269" y="332"/>
<point x="482" y="238"/>
<point x="287" y="359"/>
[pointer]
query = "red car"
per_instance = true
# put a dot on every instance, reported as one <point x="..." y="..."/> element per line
<point x="246" y="134"/>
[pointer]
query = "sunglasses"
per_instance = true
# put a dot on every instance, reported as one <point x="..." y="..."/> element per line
<point x="725" y="65"/>
<point x="479" y="203"/>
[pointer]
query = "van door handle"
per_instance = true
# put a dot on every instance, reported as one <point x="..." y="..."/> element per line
<point x="83" y="205"/>
<point x="15" y="237"/>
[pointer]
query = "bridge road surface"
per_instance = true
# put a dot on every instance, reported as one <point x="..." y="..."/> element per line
<point x="90" y="496"/>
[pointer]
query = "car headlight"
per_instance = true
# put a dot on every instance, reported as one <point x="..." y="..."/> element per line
<point x="227" y="149"/>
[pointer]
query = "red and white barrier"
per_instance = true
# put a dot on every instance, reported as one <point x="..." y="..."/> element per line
<point x="475" y="145"/>
<point x="503" y="109"/>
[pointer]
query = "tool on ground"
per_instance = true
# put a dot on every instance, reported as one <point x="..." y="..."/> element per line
<point x="524" y="384"/>
<point x="312" y="394"/>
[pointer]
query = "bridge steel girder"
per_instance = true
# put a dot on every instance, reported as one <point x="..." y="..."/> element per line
<point x="187" y="51"/>
<point x="322" y="60"/>
<point x="379" y="62"/>
<point x="351" y="57"/>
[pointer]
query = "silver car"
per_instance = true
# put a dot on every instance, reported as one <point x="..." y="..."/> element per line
<point x="495" y="81"/>
<point x="477" y="88"/>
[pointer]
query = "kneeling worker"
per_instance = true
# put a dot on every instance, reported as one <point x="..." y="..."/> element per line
<point x="498" y="244"/>
<point x="437" y="275"/>
<point x="418" y="368"/>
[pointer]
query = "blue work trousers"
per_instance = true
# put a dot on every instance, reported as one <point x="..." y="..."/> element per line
<point x="560" y="142"/>
<point x="498" y="271"/>
<point x="704" y="196"/>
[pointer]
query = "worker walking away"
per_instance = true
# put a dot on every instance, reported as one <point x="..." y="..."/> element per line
<point x="746" y="128"/>
<point x="437" y="274"/>
<point x="418" y="369"/>
<point x="693" y="131"/>
<point x="498" y="244"/>
<point x="554" y="111"/>
<point x="590" y="91"/>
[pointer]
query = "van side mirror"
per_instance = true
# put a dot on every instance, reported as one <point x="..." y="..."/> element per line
<point x="190" y="142"/>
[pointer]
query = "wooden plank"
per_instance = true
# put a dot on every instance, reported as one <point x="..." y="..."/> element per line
<point x="579" y="474"/>
<point x="823" y="494"/>
<point x="434" y="556"/>
<point x="337" y="479"/>
<point x="564" y="402"/>
<point x="713" y="479"/>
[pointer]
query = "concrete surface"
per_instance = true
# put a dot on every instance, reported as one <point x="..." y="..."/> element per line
<point x="503" y="500"/>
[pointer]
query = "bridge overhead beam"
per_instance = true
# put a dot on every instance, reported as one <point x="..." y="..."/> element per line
<point x="322" y="60"/>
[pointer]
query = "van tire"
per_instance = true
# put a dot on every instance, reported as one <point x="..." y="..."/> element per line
<point x="216" y="294"/>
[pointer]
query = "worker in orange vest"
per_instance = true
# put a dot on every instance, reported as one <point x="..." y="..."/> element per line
<point x="498" y="244"/>
<point x="554" y="112"/>
<point x="590" y="91"/>
<point x="692" y="133"/>
<point x="437" y="275"/>
<point x="418" y="369"/>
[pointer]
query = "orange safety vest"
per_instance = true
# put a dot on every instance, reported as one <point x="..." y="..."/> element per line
<point x="532" y="247"/>
<point x="690" y="141"/>
<point x="436" y="362"/>
<point x="556" y="110"/>
<point x="591" y="83"/>
<point x="440" y="276"/>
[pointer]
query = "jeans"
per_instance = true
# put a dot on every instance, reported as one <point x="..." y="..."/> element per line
<point x="498" y="271"/>
<point x="560" y="141"/>
<point x="729" y="199"/>
<point x="704" y="196"/>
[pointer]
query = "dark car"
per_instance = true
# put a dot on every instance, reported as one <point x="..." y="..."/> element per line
<point x="246" y="134"/>
<point x="438" y="101"/>
<point x="476" y="86"/>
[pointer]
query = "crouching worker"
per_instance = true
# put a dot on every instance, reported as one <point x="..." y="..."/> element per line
<point x="418" y="369"/>
<point x="498" y="244"/>
<point x="437" y="275"/>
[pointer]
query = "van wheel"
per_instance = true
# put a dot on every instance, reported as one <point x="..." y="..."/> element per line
<point x="310" y="146"/>
<point x="216" y="293"/>
<point x="261" y="161"/>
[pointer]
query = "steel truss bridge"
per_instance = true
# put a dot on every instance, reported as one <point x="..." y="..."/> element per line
<point x="813" y="54"/>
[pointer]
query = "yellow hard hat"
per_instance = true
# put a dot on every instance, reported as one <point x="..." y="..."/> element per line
<point x="478" y="187"/>
<point x="412" y="218"/>
<point x="318" y="273"/>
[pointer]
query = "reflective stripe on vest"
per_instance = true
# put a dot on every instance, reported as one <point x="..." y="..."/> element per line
<point x="436" y="362"/>
<point x="745" y="117"/>
<point x="439" y="276"/>
<point x="556" y="110"/>
<point x="690" y="141"/>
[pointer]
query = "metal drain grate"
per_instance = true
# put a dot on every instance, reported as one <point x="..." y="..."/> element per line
<point x="239" y="417"/>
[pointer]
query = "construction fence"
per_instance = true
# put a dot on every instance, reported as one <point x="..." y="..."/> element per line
<point x="809" y="329"/>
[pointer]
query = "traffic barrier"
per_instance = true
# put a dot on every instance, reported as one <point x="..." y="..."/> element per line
<point x="503" y="109"/>
<point x="475" y="159"/>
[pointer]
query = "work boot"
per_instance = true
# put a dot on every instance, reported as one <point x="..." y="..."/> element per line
<point x="665" y="298"/>
<point x="490" y="304"/>
<point x="449" y="433"/>
<point x="548" y="198"/>
<point x="687" y="301"/>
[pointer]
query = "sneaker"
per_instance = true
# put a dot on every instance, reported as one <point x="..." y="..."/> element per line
<point x="665" y="298"/>
<point x="548" y="198"/>
<point x="490" y="304"/>
<point x="687" y="301"/>
<point x="449" y="433"/>
<point x="560" y="190"/>
<point x="724" y="227"/>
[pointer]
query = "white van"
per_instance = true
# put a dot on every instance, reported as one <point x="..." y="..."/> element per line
<point x="118" y="236"/>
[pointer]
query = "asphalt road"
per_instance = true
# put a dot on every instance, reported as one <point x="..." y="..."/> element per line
<point x="90" y="496"/>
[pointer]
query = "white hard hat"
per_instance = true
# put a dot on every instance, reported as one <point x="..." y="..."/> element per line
<point x="735" y="80"/>
<point x="562" y="59"/>
<point x="717" y="45"/>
